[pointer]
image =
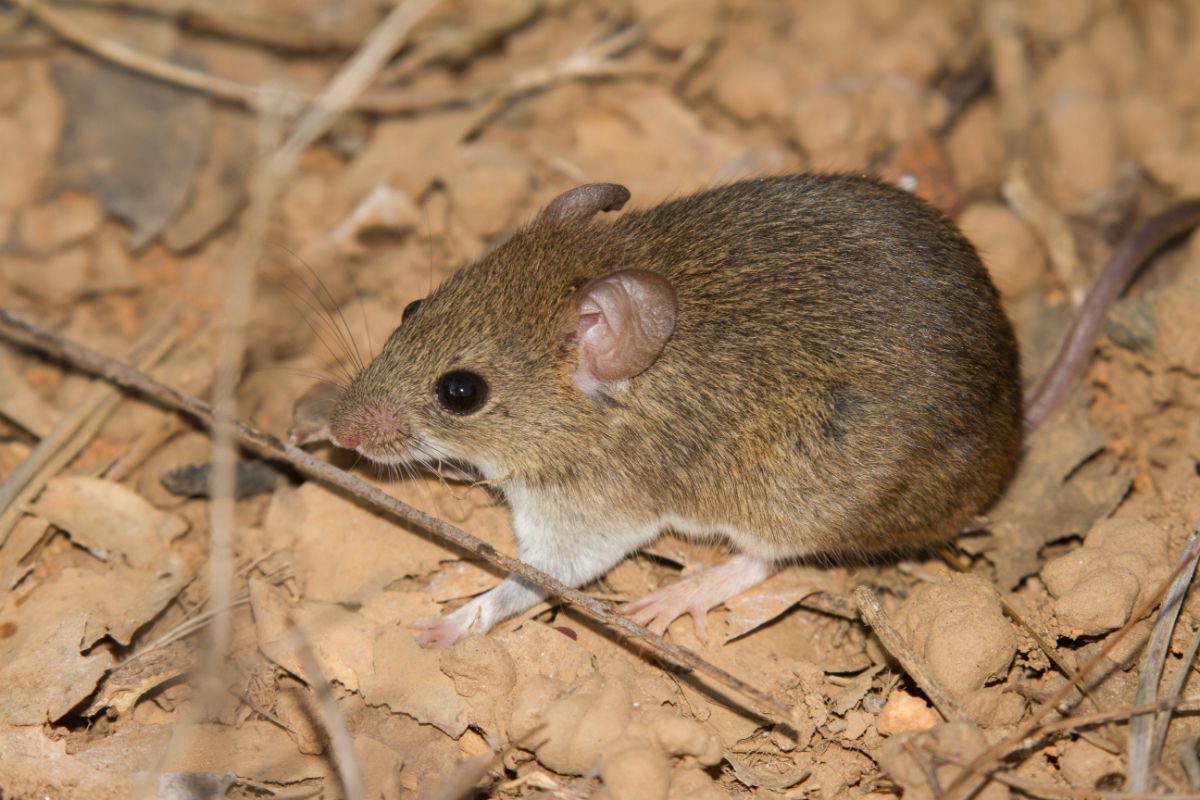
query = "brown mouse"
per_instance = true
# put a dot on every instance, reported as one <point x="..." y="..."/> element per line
<point x="801" y="365"/>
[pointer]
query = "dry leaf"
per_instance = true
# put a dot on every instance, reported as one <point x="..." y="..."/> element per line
<point x="134" y="141"/>
<point x="1060" y="489"/>
<point x="129" y="598"/>
<point x="220" y="184"/>
<point x="33" y="765"/>
<point x="341" y="640"/>
<point x="258" y="750"/>
<point x="24" y="537"/>
<point x="124" y="686"/>
<point x="774" y="596"/>
<point x="29" y="133"/>
<point x="380" y="766"/>
<point x="109" y="520"/>
<point x="408" y="679"/>
<point x="853" y="692"/>
<point x="42" y="674"/>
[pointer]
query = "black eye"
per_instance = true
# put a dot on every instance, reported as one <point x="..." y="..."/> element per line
<point x="461" y="391"/>
<point x="409" y="309"/>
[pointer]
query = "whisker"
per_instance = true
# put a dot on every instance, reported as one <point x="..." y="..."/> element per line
<point x="439" y="457"/>
<point x="326" y="306"/>
<point x="429" y="238"/>
<point x="335" y="307"/>
<point x="316" y="375"/>
<point x="366" y="327"/>
<point x="297" y="295"/>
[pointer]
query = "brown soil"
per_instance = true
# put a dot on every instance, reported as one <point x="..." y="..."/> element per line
<point x="1047" y="130"/>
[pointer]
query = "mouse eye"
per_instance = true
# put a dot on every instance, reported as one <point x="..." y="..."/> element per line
<point x="409" y="309"/>
<point x="461" y="391"/>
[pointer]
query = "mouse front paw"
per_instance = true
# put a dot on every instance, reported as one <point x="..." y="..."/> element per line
<point x="446" y="630"/>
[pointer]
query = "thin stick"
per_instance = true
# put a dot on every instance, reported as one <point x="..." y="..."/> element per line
<point x="1082" y="720"/>
<point x="265" y="186"/>
<point x="873" y="614"/>
<point x="1171" y="702"/>
<point x="350" y="82"/>
<point x="72" y="433"/>
<point x="1044" y="790"/>
<point x="1141" y="727"/>
<point x="344" y="758"/>
<point x="984" y="761"/>
<point x="20" y="330"/>
<point x="396" y="101"/>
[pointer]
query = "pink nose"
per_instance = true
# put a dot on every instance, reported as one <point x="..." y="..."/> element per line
<point x="346" y="441"/>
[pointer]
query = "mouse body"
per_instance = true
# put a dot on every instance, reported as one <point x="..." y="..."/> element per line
<point x="805" y="365"/>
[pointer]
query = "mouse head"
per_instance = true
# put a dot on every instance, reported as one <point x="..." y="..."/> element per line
<point x="518" y="354"/>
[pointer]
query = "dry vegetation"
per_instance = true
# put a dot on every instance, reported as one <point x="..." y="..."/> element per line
<point x="130" y="205"/>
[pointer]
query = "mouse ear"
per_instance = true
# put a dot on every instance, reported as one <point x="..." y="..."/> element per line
<point x="620" y="323"/>
<point x="583" y="202"/>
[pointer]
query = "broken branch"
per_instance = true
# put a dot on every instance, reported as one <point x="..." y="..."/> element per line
<point x="18" y="329"/>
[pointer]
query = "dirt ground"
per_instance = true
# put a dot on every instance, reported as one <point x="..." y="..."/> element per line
<point x="1047" y="130"/>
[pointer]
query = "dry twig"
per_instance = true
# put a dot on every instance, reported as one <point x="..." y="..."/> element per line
<point x="590" y="63"/>
<point x="985" y="761"/>
<point x="20" y="330"/>
<point x="1141" y="726"/>
<point x="265" y="186"/>
<point x="1171" y="703"/>
<point x="1045" y="790"/>
<point x="331" y="716"/>
<point x="873" y="614"/>
<point x="73" y="432"/>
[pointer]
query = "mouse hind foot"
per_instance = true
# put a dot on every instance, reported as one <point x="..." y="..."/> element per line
<point x="698" y="593"/>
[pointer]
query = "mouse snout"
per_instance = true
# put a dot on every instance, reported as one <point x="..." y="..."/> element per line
<point x="370" y="427"/>
<point x="345" y="440"/>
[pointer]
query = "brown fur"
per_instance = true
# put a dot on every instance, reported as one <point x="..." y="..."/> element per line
<point x="841" y="377"/>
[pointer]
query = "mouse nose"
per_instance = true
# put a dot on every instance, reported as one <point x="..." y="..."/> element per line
<point x="346" y="441"/>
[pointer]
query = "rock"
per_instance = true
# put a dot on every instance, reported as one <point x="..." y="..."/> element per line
<point x="1008" y="247"/>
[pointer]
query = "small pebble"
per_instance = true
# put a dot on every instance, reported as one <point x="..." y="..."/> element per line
<point x="192" y="480"/>
<point x="1131" y="324"/>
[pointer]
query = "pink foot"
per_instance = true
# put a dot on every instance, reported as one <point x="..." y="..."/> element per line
<point x="698" y="592"/>
<point x="446" y="630"/>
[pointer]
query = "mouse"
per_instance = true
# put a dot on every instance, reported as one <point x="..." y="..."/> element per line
<point x="802" y="366"/>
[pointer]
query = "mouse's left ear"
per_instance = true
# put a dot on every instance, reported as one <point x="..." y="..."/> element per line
<point x="620" y="323"/>
<point x="584" y="202"/>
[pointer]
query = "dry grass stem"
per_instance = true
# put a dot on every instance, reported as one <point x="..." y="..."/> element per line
<point x="1141" y="749"/>
<point x="340" y="741"/>
<point x="74" y="431"/>
<point x="985" y="761"/>
<point x="590" y="63"/>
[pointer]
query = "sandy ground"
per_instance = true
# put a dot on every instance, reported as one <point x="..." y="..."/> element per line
<point x="1048" y="131"/>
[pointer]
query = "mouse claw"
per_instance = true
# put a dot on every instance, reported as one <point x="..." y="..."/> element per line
<point x="698" y="592"/>
<point x="658" y="610"/>
<point x="441" y="632"/>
